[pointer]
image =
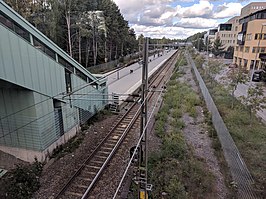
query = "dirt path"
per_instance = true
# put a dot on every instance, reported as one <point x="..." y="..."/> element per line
<point x="197" y="137"/>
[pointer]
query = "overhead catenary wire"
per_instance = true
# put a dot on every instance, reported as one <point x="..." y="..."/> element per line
<point x="62" y="93"/>
<point x="140" y="138"/>
<point x="138" y="144"/>
<point x="36" y="119"/>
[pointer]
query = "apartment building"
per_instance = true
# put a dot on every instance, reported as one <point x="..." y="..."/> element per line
<point x="210" y="36"/>
<point x="227" y="32"/>
<point x="251" y="48"/>
<point x="252" y="8"/>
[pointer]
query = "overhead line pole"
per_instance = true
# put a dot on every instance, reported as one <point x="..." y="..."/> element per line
<point x="144" y="112"/>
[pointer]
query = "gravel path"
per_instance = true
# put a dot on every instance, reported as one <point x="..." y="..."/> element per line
<point x="197" y="137"/>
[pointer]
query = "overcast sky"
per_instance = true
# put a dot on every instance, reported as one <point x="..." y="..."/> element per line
<point x="178" y="19"/>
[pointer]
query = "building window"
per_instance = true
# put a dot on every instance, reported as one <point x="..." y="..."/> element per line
<point x="245" y="63"/>
<point x="10" y="24"/>
<point x="81" y="75"/>
<point x="39" y="45"/>
<point x="258" y="36"/>
<point x="241" y="49"/>
<point x="247" y="49"/>
<point x="262" y="49"/>
<point x="264" y="36"/>
<point x="249" y="37"/>
<point x="67" y="65"/>
<point x="255" y="50"/>
<point x="68" y="81"/>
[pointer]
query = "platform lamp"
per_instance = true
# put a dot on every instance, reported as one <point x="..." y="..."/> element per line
<point x="257" y="51"/>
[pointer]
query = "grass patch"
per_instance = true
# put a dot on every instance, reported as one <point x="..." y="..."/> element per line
<point x="174" y="171"/>
<point x="249" y="138"/>
<point x="68" y="147"/>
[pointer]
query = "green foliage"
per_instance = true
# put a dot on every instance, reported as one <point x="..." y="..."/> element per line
<point x="173" y="170"/>
<point x="218" y="48"/>
<point x="68" y="147"/>
<point x="229" y="53"/>
<point x="248" y="138"/>
<point x="255" y="100"/>
<point x="174" y="146"/>
<point x="199" y="60"/>
<point x="23" y="181"/>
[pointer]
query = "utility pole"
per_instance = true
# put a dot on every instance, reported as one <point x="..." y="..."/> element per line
<point x="142" y="170"/>
<point x="198" y="43"/>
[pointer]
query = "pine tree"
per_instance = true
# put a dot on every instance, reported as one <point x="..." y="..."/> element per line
<point x="218" y="48"/>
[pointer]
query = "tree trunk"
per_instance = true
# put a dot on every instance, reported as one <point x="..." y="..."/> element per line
<point x="94" y="49"/>
<point x="87" y="53"/>
<point x="110" y="53"/>
<point x="69" y="33"/>
<point x="79" y="47"/>
<point x="122" y="49"/>
<point x="105" y="52"/>
<point x="116" y="51"/>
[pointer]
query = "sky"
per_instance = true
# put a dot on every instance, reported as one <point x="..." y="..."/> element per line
<point x="178" y="19"/>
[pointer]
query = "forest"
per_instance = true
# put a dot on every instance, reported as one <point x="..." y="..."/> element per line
<point x="90" y="31"/>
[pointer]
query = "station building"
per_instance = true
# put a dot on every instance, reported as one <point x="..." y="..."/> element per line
<point x="45" y="95"/>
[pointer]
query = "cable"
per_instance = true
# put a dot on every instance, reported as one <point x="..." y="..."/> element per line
<point x="66" y="103"/>
<point x="139" y="141"/>
<point x="62" y="93"/>
<point x="136" y="148"/>
<point x="84" y="85"/>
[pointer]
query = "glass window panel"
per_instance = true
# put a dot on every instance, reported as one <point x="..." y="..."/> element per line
<point x="81" y="75"/>
<point x="6" y="21"/>
<point x="50" y="52"/>
<point x="38" y="44"/>
<point x="22" y="32"/>
<point x="65" y="64"/>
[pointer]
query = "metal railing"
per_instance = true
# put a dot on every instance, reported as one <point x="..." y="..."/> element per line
<point x="237" y="166"/>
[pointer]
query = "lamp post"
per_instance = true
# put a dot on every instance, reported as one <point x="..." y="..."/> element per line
<point x="257" y="51"/>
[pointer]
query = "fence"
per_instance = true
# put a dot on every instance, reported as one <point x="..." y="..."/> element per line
<point x="237" y="166"/>
<point x="36" y="133"/>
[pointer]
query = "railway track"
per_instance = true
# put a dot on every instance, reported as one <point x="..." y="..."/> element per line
<point x="85" y="178"/>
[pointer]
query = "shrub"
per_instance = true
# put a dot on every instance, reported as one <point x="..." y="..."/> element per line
<point x="23" y="181"/>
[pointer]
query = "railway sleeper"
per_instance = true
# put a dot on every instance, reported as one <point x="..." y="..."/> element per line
<point x="78" y="195"/>
<point x="100" y="156"/>
<point x="93" y="167"/>
<point x="87" y="172"/>
<point x="84" y="180"/>
<point x="97" y="162"/>
<point x="120" y="129"/>
<point x="106" y="148"/>
<point x="77" y="189"/>
<point x="104" y="152"/>
<point x="109" y="144"/>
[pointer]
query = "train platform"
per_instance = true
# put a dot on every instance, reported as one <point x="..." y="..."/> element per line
<point x="128" y="79"/>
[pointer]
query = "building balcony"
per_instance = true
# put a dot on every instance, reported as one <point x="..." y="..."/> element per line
<point x="241" y="37"/>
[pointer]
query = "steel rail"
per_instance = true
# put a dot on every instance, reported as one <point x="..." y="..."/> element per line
<point x="114" y="149"/>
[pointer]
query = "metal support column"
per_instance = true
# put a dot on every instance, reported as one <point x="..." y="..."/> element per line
<point x="144" y="111"/>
